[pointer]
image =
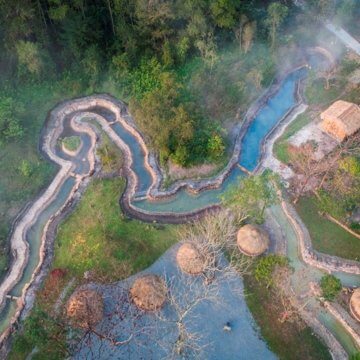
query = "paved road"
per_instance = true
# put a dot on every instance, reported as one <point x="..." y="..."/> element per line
<point x="344" y="36"/>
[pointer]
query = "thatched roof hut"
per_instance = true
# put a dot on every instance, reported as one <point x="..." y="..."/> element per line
<point x="190" y="259"/>
<point x="252" y="240"/>
<point x="149" y="292"/>
<point x="355" y="304"/>
<point x="85" y="308"/>
<point x="341" y="119"/>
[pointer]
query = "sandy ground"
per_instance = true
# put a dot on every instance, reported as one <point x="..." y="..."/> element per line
<point x="206" y="320"/>
<point x="312" y="132"/>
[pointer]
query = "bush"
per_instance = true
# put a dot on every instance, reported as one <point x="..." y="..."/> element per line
<point x="266" y="266"/>
<point x="146" y="77"/>
<point x="10" y="128"/>
<point x="330" y="286"/>
<point x="216" y="147"/>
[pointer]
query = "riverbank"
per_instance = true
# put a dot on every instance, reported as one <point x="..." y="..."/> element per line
<point x="66" y="110"/>
<point x="283" y="337"/>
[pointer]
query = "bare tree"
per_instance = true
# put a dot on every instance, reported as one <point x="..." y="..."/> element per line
<point x="248" y="35"/>
<point x="305" y="167"/>
<point x="239" y="30"/>
<point x="121" y="326"/>
<point x="349" y="147"/>
<point x="213" y="237"/>
<point x="125" y="326"/>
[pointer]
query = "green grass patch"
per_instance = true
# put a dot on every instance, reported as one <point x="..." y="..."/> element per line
<point x="99" y="238"/>
<point x="289" y="340"/>
<point x="281" y="144"/>
<point x="71" y="143"/>
<point x="316" y="94"/>
<point x="24" y="172"/>
<point x="326" y="236"/>
<point x="96" y="237"/>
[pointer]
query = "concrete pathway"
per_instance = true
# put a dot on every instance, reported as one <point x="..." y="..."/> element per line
<point x="344" y="36"/>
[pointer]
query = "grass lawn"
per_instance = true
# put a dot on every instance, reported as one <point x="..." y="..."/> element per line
<point x="71" y="143"/>
<point x="289" y="340"/>
<point x="97" y="237"/>
<point x="18" y="186"/>
<point x="281" y="144"/>
<point x="316" y="94"/>
<point x="326" y="236"/>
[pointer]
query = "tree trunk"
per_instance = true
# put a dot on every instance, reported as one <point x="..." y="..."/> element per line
<point x="111" y="16"/>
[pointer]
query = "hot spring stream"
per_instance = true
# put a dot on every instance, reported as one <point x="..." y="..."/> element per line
<point x="182" y="202"/>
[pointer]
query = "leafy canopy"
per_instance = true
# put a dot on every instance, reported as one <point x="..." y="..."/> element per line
<point x="330" y="286"/>
<point x="252" y="195"/>
<point x="10" y="128"/>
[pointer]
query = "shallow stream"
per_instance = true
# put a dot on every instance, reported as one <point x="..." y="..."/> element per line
<point x="266" y="119"/>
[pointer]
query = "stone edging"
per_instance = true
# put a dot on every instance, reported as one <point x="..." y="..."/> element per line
<point x="308" y="254"/>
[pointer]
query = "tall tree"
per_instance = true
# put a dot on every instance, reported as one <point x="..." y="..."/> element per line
<point x="276" y="14"/>
<point x="248" y="35"/>
<point x="252" y="195"/>
<point x="224" y="12"/>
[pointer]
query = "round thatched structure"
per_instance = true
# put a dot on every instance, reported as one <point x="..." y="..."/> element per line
<point x="355" y="304"/>
<point x="149" y="292"/>
<point x="252" y="240"/>
<point x="190" y="259"/>
<point x="85" y="308"/>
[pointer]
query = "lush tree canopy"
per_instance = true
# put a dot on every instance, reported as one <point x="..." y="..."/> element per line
<point x="330" y="286"/>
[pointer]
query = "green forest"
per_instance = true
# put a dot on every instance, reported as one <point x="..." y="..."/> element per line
<point x="186" y="68"/>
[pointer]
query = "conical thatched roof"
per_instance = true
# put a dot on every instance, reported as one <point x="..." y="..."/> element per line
<point x="149" y="292"/>
<point x="252" y="240"/>
<point x="355" y="304"/>
<point x="190" y="259"/>
<point x="85" y="308"/>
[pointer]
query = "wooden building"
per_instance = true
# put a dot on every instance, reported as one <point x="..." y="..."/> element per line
<point x="341" y="120"/>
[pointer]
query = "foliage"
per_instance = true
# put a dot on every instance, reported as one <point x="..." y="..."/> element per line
<point x="276" y="14"/>
<point x="224" y="12"/>
<point x="98" y="236"/>
<point x="351" y="165"/>
<point x="253" y="195"/>
<point x="330" y="205"/>
<point x="71" y="143"/>
<point x="45" y="332"/>
<point x="282" y="338"/>
<point x="146" y="77"/>
<point x="348" y="66"/>
<point x="173" y="124"/>
<point x="29" y="58"/>
<point x="25" y="168"/>
<point x="265" y="267"/>
<point x="10" y="128"/>
<point x="330" y="286"/>
<point x="110" y="155"/>
<point x="315" y="92"/>
<point x="216" y="147"/>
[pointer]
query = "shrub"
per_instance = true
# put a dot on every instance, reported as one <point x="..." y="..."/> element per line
<point x="216" y="147"/>
<point x="330" y="286"/>
<point x="266" y="265"/>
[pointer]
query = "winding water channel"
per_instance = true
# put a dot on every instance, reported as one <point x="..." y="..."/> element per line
<point x="144" y="196"/>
